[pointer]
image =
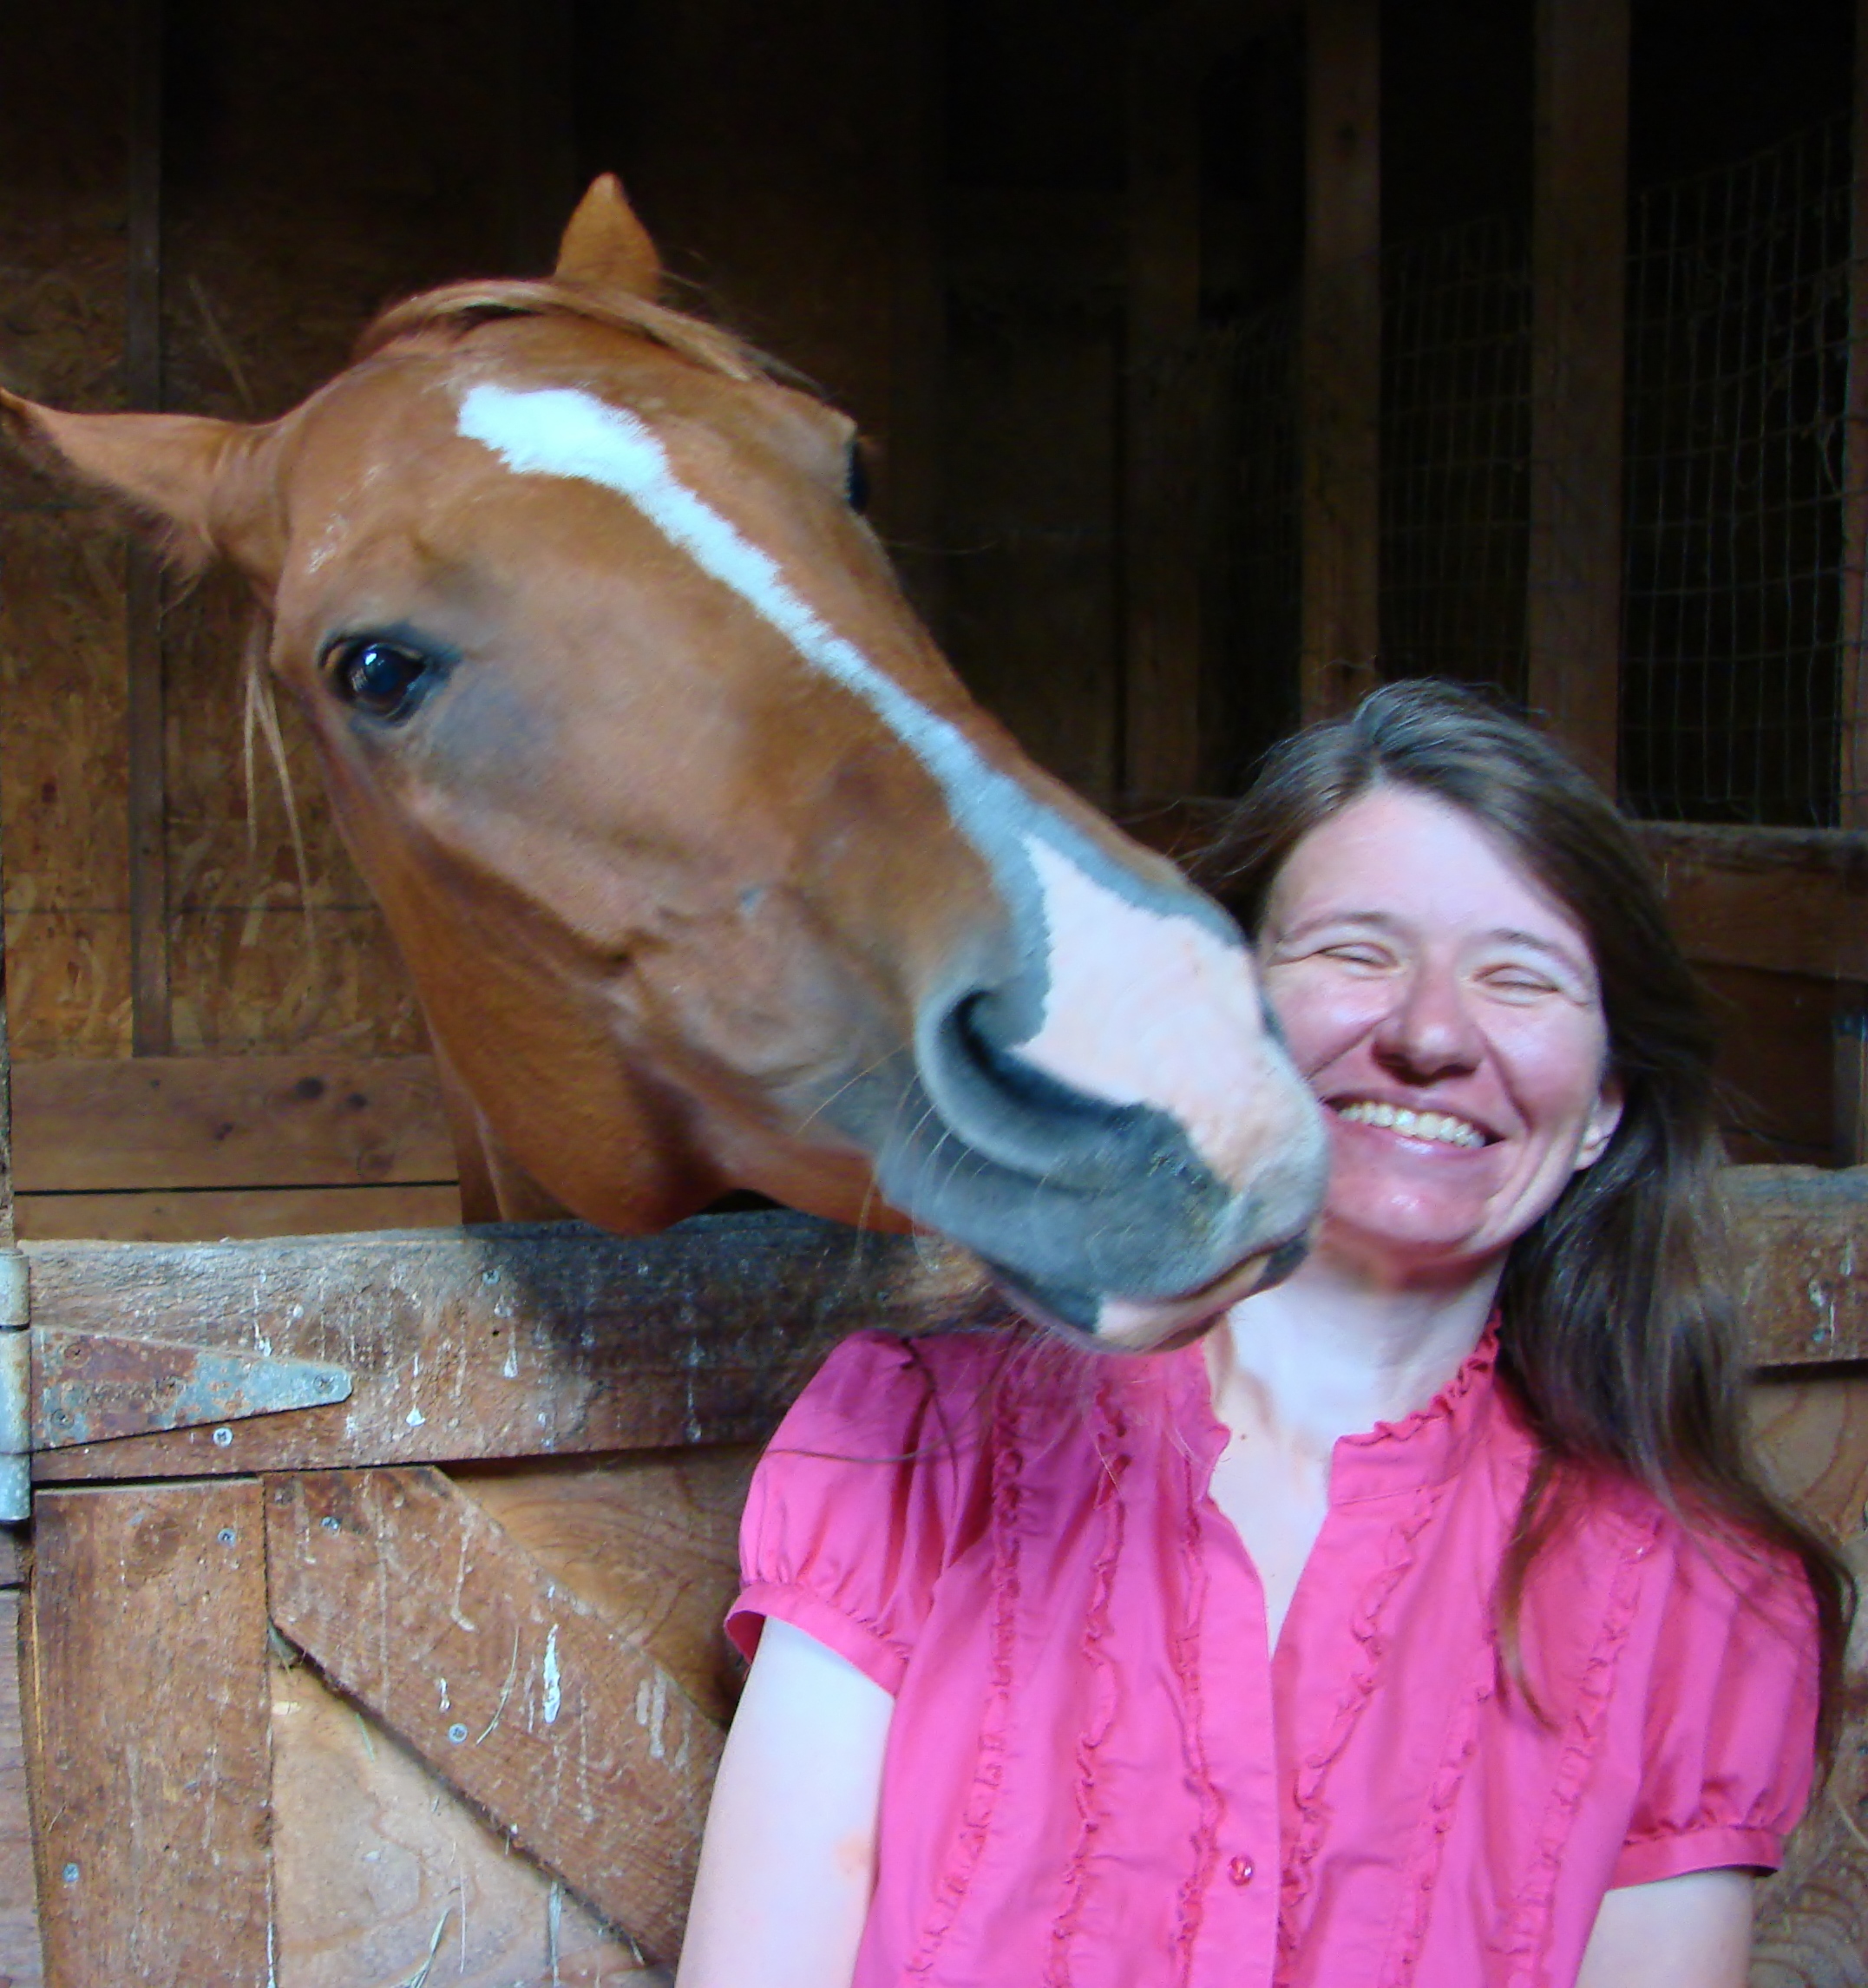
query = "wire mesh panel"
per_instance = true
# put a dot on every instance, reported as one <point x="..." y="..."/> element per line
<point x="1455" y="455"/>
<point x="1737" y="386"/>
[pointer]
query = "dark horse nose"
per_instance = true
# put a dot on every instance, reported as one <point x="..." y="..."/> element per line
<point x="1028" y="1121"/>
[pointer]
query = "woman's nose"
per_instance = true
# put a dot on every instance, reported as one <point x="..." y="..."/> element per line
<point x="1429" y="1032"/>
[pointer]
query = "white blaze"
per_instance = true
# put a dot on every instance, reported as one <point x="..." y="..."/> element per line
<point x="1143" y="1006"/>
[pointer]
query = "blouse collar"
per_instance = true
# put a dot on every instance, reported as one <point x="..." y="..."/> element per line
<point x="1421" y="1449"/>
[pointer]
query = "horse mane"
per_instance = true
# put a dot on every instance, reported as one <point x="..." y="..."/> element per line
<point x="461" y="307"/>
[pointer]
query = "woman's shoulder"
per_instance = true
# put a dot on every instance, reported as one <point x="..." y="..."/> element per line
<point x="875" y="1378"/>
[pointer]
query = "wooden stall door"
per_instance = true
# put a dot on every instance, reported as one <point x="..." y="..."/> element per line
<point x="305" y="1708"/>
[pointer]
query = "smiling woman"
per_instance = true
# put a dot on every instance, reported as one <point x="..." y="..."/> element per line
<point x="1425" y="1621"/>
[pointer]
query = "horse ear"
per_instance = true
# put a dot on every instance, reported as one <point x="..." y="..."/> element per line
<point x="605" y="247"/>
<point x="197" y="479"/>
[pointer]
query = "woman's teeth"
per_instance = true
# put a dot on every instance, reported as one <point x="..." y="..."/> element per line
<point x="1434" y="1126"/>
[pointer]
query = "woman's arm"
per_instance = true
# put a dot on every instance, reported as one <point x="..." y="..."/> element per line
<point x="1688" y="1931"/>
<point x="789" y="1859"/>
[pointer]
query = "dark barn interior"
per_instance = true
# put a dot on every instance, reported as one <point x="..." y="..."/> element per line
<point x="1219" y="358"/>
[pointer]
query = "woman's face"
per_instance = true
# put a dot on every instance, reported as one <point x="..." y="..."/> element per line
<point x="1444" y="1009"/>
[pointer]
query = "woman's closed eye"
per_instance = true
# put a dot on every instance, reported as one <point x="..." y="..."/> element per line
<point x="1360" y="956"/>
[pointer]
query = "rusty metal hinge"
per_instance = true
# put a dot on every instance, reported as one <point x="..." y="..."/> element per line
<point x="58" y="1388"/>
<point x="97" y="1387"/>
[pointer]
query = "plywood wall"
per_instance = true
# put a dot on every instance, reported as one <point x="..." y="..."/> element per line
<point x="316" y="162"/>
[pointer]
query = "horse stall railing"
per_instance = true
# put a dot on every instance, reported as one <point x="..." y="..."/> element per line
<point x="304" y="1501"/>
<point x="177" y="1149"/>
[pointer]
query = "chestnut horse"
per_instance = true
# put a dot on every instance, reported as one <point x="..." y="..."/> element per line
<point x="708" y="872"/>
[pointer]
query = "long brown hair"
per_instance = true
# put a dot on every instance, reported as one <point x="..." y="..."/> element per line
<point x="1617" y="1329"/>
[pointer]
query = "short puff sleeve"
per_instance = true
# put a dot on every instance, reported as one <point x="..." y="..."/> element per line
<point x="1729" y="1751"/>
<point x="862" y="1497"/>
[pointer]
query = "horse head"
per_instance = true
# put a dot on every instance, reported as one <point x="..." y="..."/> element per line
<point x="708" y="871"/>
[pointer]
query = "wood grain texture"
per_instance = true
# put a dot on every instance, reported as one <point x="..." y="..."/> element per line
<point x="255" y="978"/>
<point x="499" y="1342"/>
<point x="149" y="1712"/>
<point x="89" y="1124"/>
<point x="214" y="1214"/>
<point x="560" y="1341"/>
<point x="62" y="783"/>
<point x="581" y="1746"/>
<point x="1573" y="605"/>
<point x="373" y="1855"/>
<point x="1798" y="1240"/>
<point x="22" y="1962"/>
<point x="1785" y="900"/>
<point x="649" y="1541"/>
<point x="1813" y="1916"/>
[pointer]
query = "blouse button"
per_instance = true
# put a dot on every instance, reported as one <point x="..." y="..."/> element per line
<point x="1240" y="1870"/>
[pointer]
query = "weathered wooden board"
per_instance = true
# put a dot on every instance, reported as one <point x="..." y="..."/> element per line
<point x="97" y="1125"/>
<point x="649" y="1540"/>
<point x="1812" y="1917"/>
<point x="211" y="1214"/>
<point x="1799" y="1238"/>
<point x="1790" y="901"/>
<point x="377" y="1867"/>
<point x="150" y="1708"/>
<point x="516" y="1342"/>
<point x="544" y="1340"/>
<point x="22" y="1963"/>
<point x="583" y="1748"/>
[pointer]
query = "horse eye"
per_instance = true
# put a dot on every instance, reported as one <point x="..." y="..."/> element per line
<point x="381" y="678"/>
<point x="855" y="479"/>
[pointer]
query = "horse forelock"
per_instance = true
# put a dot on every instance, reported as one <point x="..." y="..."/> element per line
<point x="461" y="308"/>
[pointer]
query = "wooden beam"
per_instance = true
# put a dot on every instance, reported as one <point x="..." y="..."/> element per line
<point x="560" y="1341"/>
<point x="150" y="1021"/>
<point x="149" y="1711"/>
<point x="214" y="1214"/>
<point x="580" y="1746"/>
<point x="1798" y="1240"/>
<point x="1339" y="362"/>
<point x="1579" y="240"/>
<point x="494" y="1342"/>
<point x="1854" y="687"/>
<point x="98" y="1124"/>
<point x="1160" y="716"/>
<point x="1783" y="900"/>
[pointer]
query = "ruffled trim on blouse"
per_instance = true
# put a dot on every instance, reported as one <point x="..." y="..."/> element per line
<point x="1184" y="1652"/>
<point x="1007" y="1455"/>
<point x="1527" y="1930"/>
<point x="1436" y="1821"/>
<point x="1108" y="1510"/>
<point x="1312" y="1776"/>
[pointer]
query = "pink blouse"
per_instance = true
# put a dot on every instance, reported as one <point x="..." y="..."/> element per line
<point x="1097" y="1777"/>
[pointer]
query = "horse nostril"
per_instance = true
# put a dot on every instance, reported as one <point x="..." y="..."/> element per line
<point x="1012" y="1080"/>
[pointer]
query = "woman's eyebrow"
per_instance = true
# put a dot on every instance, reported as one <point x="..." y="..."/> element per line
<point x="1551" y="948"/>
<point x="1382" y="920"/>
